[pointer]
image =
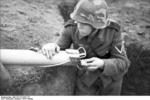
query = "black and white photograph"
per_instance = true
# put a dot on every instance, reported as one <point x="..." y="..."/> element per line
<point x="74" y="48"/>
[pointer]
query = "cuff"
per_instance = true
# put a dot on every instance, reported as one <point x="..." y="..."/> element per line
<point x="108" y="68"/>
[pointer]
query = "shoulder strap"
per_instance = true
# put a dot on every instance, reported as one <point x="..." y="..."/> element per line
<point x="114" y="25"/>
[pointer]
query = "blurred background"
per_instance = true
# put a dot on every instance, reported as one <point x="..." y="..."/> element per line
<point x="27" y="23"/>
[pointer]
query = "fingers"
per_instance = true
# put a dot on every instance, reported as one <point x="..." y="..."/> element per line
<point x="48" y="53"/>
<point x="84" y="63"/>
<point x="87" y="62"/>
<point x="93" y="63"/>
<point x="43" y="51"/>
<point x="89" y="65"/>
<point x="91" y="68"/>
<point x="90" y="60"/>
<point x="49" y="50"/>
<point x="57" y="49"/>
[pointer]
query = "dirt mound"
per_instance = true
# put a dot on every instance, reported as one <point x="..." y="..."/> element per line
<point x="26" y="23"/>
<point x="137" y="80"/>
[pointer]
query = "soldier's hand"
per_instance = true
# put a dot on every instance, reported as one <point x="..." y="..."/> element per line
<point x="93" y="63"/>
<point x="50" y="49"/>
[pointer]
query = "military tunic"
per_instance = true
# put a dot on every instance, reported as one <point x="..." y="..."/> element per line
<point x="105" y="44"/>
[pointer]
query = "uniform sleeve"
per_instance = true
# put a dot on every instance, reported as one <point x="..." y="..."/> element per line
<point x="65" y="40"/>
<point x="118" y="63"/>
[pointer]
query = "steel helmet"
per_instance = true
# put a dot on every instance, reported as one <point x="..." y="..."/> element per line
<point x="93" y="12"/>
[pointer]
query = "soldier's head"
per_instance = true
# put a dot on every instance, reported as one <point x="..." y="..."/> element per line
<point x="92" y="13"/>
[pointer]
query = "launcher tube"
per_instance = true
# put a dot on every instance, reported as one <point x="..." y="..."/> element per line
<point x="28" y="57"/>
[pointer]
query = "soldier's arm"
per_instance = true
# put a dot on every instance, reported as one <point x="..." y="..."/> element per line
<point x="65" y="39"/>
<point x="118" y="63"/>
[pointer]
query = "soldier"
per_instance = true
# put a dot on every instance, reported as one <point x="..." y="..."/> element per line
<point x="106" y="58"/>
